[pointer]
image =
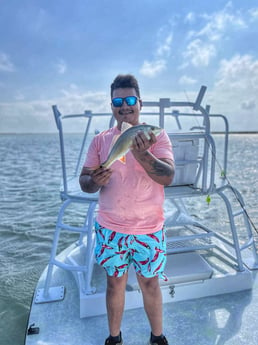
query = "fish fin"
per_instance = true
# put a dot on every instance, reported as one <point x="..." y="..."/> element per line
<point x="113" y="141"/>
<point x="125" y="126"/>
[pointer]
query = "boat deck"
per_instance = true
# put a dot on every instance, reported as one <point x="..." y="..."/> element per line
<point x="226" y="319"/>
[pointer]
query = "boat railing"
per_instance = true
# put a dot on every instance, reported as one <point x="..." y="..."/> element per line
<point x="196" y="159"/>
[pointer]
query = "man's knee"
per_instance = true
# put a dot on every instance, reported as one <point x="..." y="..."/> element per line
<point x="149" y="284"/>
<point x="117" y="283"/>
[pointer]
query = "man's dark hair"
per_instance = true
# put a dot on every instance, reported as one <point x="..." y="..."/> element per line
<point x="125" y="81"/>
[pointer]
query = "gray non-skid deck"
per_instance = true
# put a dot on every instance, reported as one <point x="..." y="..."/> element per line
<point x="227" y="319"/>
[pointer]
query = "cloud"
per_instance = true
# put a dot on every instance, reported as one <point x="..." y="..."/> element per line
<point x="73" y="99"/>
<point x="151" y="69"/>
<point x="190" y="17"/>
<point x="159" y="63"/>
<point x="220" y="23"/>
<point x="185" y="80"/>
<point x="19" y="96"/>
<point x="61" y="66"/>
<point x="249" y="104"/>
<point x="239" y="73"/>
<point x="35" y="20"/>
<point x="198" y="53"/>
<point x="22" y="116"/>
<point x="164" y="48"/>
<point x="253" y="14"/>
<point x="5" y="63"/>
<point x="213" y="28"/>
<point x="235" y="91"/>
<point x="37" y="116"/>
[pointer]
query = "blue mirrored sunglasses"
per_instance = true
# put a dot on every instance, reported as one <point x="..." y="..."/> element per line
<point x="118" y="101"/>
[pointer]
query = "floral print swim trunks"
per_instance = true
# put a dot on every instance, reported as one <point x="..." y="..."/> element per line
<point x="116" y="251"/>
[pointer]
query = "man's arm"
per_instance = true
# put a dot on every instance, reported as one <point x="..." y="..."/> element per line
<point x="92" y="180"/>
<point x="160" y="170"/>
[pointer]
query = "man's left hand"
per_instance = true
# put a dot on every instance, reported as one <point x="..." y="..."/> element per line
<point x="141" y="143"/>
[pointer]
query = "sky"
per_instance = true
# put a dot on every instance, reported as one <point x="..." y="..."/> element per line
<point x="68" y="52"/>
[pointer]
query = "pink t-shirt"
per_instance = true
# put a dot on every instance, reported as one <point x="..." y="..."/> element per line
<point x="131" y="202"/>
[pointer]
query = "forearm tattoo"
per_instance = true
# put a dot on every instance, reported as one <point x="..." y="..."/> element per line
<point x="161" y="168"/>
<point x="157" y="167"/>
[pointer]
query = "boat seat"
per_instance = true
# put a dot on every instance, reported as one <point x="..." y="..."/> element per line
<point x="181" y="268"/>
<point x="186" y="155"/>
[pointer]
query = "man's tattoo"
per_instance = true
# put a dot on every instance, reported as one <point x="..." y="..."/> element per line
<point x="158" y="168"/>
<point x="161" y="169"/>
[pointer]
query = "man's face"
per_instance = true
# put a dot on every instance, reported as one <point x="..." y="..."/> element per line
<point x="126" y="113"/>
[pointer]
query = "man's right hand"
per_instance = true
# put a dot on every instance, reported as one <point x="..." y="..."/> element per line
<point x="101" y="176"/>
<point x="92" y="180"/>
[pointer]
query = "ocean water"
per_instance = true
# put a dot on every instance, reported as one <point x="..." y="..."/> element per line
<point x="30" y="172"/>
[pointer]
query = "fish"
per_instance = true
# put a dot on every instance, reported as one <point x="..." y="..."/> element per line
<point x="124" y="141"/>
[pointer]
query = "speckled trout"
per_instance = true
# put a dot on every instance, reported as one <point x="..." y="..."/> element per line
<point x="124" y="141"/>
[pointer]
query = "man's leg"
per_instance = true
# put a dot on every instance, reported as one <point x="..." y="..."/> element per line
<point x="115" y="300"/>
<point x="152" y="299"/>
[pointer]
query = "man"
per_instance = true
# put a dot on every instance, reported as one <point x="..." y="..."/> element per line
<point x="129" y="227"/>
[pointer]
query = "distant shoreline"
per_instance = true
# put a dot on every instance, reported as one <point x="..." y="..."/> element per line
<point x="237" y="132"/>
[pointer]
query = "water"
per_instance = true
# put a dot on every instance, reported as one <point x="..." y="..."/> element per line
<point x="29" y="202"/>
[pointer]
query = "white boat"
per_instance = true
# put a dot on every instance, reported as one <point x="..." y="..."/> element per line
<point x="211" y="294"/>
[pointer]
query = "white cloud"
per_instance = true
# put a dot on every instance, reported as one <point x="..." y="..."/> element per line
<point x="159" y="63"/>
<point x="190" y="17"/>
<point x="214" y="28"/>
<point x="185" y="80"/>
<point x="5" y="63"/>
<point x="199" y="53"/>
<point x="61" y="66"/>
<point x="151" y="69"/>
<point x="26" y="117"/>
<point x="249" y="104"/>
<point x="165" y="47"/>
<point x="220" y="23"/>
<point x="19" y="96"/>
<point x="74" y="98"/>
<point x="235" y="92"/>
<point x="253" y="14"/>
<point x="37" y="115"/>
<point x="239" y="73"/>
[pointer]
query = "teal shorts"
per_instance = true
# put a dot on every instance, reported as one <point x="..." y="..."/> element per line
<point x="116" y="251"/>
